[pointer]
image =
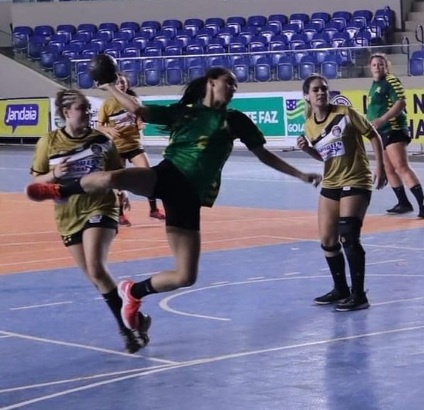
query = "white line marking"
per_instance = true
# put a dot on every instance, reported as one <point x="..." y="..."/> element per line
<point x="204" y="361"/>
<point x="43" y="305"/>
<point x="96" y="349"/>
<point x="164" y="303"/>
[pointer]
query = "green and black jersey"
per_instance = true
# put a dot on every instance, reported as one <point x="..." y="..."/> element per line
<point x="381" y="97"/>
<point x="201" y="141"/>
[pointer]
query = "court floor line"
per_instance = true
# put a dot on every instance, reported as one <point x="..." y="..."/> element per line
<point x="213" y="359"/>
<point x="164" y="303"/>
<point x="86" y="347"/>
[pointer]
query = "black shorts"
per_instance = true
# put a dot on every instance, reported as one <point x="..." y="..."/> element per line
<point x="129" y="155"/>
<point x="96" y="221"/>
<point x="180" y="200"/>
<point x="395" y="136"/>
<point x="337" y="193"/>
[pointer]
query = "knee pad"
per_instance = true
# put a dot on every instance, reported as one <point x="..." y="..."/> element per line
<point x="350" y="233"/>
<point x="333" y="248"/>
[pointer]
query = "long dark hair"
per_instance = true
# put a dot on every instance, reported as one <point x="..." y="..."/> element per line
<point x="194" y="92"/>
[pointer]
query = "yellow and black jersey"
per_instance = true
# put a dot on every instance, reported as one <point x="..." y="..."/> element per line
<point x="112" y="114"/>
<point x="93" y="152"/>
<point x="338" y="140"/>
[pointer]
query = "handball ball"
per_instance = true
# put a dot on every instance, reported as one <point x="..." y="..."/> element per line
<point x="102" y="69"/>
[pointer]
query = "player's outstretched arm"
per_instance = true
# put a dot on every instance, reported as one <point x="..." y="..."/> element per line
<point x="275" y="162"/>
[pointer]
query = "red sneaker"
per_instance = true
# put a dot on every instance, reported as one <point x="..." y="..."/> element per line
<point x="130" y="305"/>
<point x="124" y="221"/>
<point x="158" y="214"/>
<point x="41" y="192"/>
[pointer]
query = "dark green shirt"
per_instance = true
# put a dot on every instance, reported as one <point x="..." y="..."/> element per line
<point x="381" y="97"/>
<point x="201" y="141"/>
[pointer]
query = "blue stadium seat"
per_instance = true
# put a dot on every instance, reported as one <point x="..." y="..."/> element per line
<point x="174" y="23"/>
<point x="289" y="30"/>
<point x="416" y="63"/>
<point x="256" y="20"/>
<point x="278" y="20"/>
<point x="226" y="34"/>
<point x="196" y="68"/>
<point x="44" y="30"/>
<point x="235" y="22"/>
<point x="84" y="80"/>
<point x="20" y="42"/>
<point x="130" y="24"/>
<point x="130" y="51"/>
<point x="108" y="26"/>
<point x="262" y="70"/>
<point x="35" y="46"/>
<point x="241" y="69"/>
<point x="214" y="23"/>
<point x="307" y="66"/>
<point x="174" y="73"/>
<point x="133" y="77"/>
<point x="24" y="30"/>
<point x="87" y="27"/>
<point x="330" y="67"/>
<point x="285" y="68"/>
<point x="89" y="53"/>
<point x="300" y="19"/>
<point x="62" y="69"/>
<point x="193" y="24"/>
<point x="47" y="58"/>
<point x="152" y="73"/>
<point x="322" y="15"/>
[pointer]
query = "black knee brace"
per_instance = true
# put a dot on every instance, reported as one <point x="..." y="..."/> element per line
<point x="350" y="233"/>
<point x="334" y="248"/>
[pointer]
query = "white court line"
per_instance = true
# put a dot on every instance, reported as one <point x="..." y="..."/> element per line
<point x="79" y="379"/>
<point x="43" y="305"/>
<point x="209" y="360"/>
<point x="85" y="347"/>
<point x="373" y="263"/>
<point x="397" y="247"/>
<point x="164" y="303"/>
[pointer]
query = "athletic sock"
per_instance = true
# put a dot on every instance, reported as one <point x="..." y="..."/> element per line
<point x="355" y="256"/>
<point x="401" y="195"/>
<point x="337" y="269"/>
<point x="115" y="304"/>
<point x="73" y="188"/>
<point x="417" y="191"/>
<point x="141" y="289"/>
<point x="152" y="203"/>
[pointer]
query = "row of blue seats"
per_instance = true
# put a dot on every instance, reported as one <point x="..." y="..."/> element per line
<point x="320" y="18"/>
<point x="154" y="72"/>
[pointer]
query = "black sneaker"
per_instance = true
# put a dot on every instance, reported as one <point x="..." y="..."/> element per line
<point x="131" y="340"/>
<point x="400" y="209"/>
<point x="331" y="297"/>
<point x="353" y="302"/>
<point x="137" y="339"/>
<point x="421" y="213"/>
<point x="142" y="332"/>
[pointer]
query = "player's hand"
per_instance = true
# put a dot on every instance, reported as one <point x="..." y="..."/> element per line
<point x="380" y="178"/>
<point x="302" y="142"/>
<point x="312" y="178"/>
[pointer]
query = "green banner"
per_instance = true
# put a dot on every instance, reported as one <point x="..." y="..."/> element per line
<point x="280" y="116"/>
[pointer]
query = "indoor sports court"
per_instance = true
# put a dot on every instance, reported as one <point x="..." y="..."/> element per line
<point x="246" y="336"/>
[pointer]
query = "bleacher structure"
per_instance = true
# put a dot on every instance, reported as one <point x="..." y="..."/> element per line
<point x="172" y="52"/>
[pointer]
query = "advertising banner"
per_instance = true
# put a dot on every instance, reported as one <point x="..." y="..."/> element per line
<point x="24" y="117"/>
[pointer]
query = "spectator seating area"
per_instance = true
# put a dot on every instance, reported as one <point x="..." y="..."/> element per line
<point x="172" y="52"/>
